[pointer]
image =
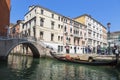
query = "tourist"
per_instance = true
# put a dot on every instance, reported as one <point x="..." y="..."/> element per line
<point x="98" y="49"/>
<point x="116" y="52"/>
<point x="75" y="49"/>
<point x="86" y="50"/>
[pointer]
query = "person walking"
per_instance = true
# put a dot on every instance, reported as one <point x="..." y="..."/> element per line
<point x="75" y="49"/>
<point x="116" y="52"/>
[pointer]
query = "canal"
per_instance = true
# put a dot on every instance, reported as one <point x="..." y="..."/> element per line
<point x="27" y="68"/>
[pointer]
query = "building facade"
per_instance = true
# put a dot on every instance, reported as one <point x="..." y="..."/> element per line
<point x="59" y="32"/>
<point x="54" y="29"/>
<point x="4" y="16"/>
<point x="115" y="38"/>
<point x="95" y="31"/>
<point x="16" y="30"/>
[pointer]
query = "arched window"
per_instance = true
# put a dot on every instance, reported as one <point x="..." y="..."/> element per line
<point x="52" y="24"/>
<point x="52" y="37"/>
<point x="65" y="29"/>
<point x="42" y="22"/>
<point x="70" y="30"/>
<point x="41" y="35"/>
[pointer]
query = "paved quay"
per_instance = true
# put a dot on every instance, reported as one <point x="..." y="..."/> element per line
<point x="94" y="56"/>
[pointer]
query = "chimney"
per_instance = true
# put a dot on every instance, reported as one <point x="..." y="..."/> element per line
<point x="31" y="7"/>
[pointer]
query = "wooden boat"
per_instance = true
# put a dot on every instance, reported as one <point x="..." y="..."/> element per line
<point x="86" y="62"/>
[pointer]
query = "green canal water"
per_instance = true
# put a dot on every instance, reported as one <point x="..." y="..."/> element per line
<point x="27" y="68"/>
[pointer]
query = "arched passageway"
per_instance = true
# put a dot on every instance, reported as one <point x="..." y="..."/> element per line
<point x="33" y="48"/>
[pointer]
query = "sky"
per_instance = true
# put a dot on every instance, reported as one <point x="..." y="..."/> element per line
<point x="104" y="11"/>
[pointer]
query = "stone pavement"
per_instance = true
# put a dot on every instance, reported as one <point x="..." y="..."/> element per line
<point x="94" y="56"/>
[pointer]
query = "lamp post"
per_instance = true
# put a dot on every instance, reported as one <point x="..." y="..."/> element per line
<point x="108" y="26"/>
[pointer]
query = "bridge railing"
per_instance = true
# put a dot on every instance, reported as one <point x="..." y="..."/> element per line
<point x="29" y="38"/>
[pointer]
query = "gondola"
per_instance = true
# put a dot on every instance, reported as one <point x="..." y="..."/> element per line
<point x="94" y="62"/>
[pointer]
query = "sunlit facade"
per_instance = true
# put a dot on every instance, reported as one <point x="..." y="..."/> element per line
<point x="58" y="31"/>
<point x="96" y="32"/>
<point x="54" y="29"/>
<point x="115" y="38"/>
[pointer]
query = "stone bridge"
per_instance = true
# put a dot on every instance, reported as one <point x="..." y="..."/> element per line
<point x="38" y="48"/>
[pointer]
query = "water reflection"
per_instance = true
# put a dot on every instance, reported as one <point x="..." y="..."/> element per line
<point x="27" y="68"/>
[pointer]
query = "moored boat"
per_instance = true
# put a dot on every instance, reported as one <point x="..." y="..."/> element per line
<point x="90" y="61"/>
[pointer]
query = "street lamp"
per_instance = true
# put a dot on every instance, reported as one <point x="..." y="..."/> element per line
<point x="108" y="26"/>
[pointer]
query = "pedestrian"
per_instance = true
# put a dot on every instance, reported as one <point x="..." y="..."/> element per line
<point x="116" y="52"/>
<point x="75" y="49"/>
<point x="86" y="50"/>
<point x="98" y="49"/>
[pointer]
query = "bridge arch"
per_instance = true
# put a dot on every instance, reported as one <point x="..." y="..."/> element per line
<point x="34" y="49"/>
<point x="38" y="48"/>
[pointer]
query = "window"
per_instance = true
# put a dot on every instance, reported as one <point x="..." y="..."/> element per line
<point x="29" y="24"/>
<point x="66" y="21"/>
<point x="69" y="40"/>
<point x="27" y="18"/>
<point x="34" y="31"/>
<point x="80" y="32"/>
<point x="93" y="34"/>
<point x="70" y="30"/>
<point x="61" y="26"/>
<point x="42" y="22"/>
<point x="41" y="35"/>
<point x="52" y="24"/>
<point x="52" y="37"/>
<point x="100" y="36"/>
<point x="59" y="18"/>
<point x="70" y="22"/>
<point x="81" y="26"/>
<point x="65" y="29"/>
<point x="35" y="10"/>
<point x="58" y="48"/>
<point x="97" y="35"/>
<point x="61" y="48"/>
<point x="34" y="22"/>
<point x="42" y="11"/>
<point x="58" y="26"/>
<point x="23" y="26"/>
<point x="74" y="31"/>
<point x="89" y="24"/>
<point x="74" y="41"/>
<point x="30" y="15"/>
<point x="78" y="41"/>
<point x="61" y="38"/>
<point x="52" y="15"/>
<point x="58" y="38"/>
<point x="25" y="33"/>
<point x="85" y="34"/>
<point x="29" y="32"/>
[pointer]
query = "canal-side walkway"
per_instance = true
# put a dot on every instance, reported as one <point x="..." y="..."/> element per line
<point x="94" y="56"/>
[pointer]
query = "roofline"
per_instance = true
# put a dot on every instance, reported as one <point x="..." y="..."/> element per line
<point x="91" y="18"/>
<point x="115" y="32"/>
<point x="45" y="9"/>
<point x="52" y="12"/>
